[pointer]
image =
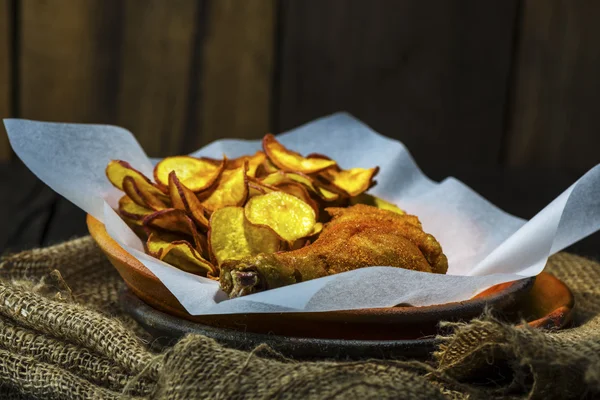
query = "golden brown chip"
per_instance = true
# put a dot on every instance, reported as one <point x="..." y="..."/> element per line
<point x="232" y="237"/>
<point x="174" y="220"/>
<point x="352" y="181"/>
<point x="265" y="168"/>
<point x="297" y="190"/>
<point x="184" y="199"/>
<point x="290" y="217"/>
<point x="117" y="170"/>
<point x="316" y="187"/>
<point x="254" y="162"/>
<point x="375" y="201"/>
<point x="257" y="188"/>
<point x="180" y="254"/>
<point x="141" y="197"/>
<point x="128" y="208"/>
<point x="231" y="189"/>
<point x="197" y="174"/>
<point x="290" y="160"/>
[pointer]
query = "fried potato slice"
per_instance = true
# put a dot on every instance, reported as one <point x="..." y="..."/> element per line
<point x="184" y="199"/>
<point x="231" y="189"/>
<point x="297" y="190"/>
<point x="290" y="217"/>
<point x="254" y="161"/>
<point x="290" y="160"/>
<point x="129" y="209"/>
<point x="265" y="168"/>
<point x="316" y="187"/>
<point x="257" y="188"/>
<point x="375" y="201"/>
<point x="174" y="220"/>
<point x="197" y="174"/>
<point x="180" y="254"/>
<point x="117" y="170"/>
<point x="141" y="197"/>
<point x="308" y="182"/>
<point x="233" y="237"/>
<point x="352" y="181"/>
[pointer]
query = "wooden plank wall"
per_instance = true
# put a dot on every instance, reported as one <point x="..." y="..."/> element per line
<point x="432" y="74"/>
<point x="508" y="82"/>
<point x="178" y="74"/>
<point x="6" y="40"/>
<point x="555" y="99"/>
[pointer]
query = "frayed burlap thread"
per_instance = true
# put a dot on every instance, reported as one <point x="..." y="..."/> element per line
<point x="563" y="364"/>
<point x="63" y="336"/>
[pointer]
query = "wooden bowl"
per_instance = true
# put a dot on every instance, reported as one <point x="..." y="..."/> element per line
<point x="548" y="305"/>
<point x="366" y="324"/>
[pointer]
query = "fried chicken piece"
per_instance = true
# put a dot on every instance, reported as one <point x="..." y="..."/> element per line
<point x="356" y="237"/>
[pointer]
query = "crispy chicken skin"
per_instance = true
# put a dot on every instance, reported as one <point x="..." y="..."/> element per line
<point x="356" y="237"/>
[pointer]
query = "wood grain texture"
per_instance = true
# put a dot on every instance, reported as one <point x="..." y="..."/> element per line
<point x="157" y="49"/>
<point x="554" y="119"/>
<point x="432" y="74"/>
<point x="67" y="60"/>
<point x="237" y="70"/>
<point x="5" y="74"/>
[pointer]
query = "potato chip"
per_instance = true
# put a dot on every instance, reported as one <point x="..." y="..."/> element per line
<point x="265" y="168"/>
<point x="128" y="208"/>
<point x="232" y="237"/>
<point x="308" y="182"/>
<point x="117" y="170"/>
<point x="174" y="220"/>
<point x="253" y="162"/>
<point x="257" y="188"/>
<point x="131" y="190"/>
<point x="141" y="197"/>
<point x="184" y="199"/>
<point x="231" y="189"/>
<point x="290" y="217"/>
<point x="290" y="160"/>
<point x="297" y="190"/>
<point x="352" y="181"/>
<point x="315" y="187"/>
<point x="197" y="174"/>
<point x="375" y="201"/>
<point x="180" y="254"/>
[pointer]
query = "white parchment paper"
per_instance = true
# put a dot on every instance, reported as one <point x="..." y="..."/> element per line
<point x="485" y="246"/>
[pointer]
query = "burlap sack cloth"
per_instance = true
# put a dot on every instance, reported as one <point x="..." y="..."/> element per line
<point x="63" y="336"/>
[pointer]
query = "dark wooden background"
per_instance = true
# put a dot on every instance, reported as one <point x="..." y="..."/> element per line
<point x="474" y="88"/>
<point x="496" y="82"/>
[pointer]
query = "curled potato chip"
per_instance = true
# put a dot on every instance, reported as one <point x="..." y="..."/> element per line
<point x="265" y="168"/>
<point x="375" y="201"/>
<point x="290" y="217"/>
<point x="180" y="254"/>
<point x="117" y="170"/>
<point x="279" y="177"/>
<point x="352" y="181"/>
<point x="128" y="208"/>
<point x="317" y="188"/>
<point x="297" y="190"/>
<point x="174" y="220"/>
<point x="290" y="160"/>
<point x="140" y="197"/>
<point x="254" y="161"/>
<point x="232" y="237"/>
<point x="257" y="187"/>
<point x="184" y="199"/>
<point x="231" y="189"/>
<point x="197" y="174"/>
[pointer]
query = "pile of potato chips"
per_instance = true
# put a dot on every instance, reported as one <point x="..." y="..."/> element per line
<point x="200" y="212"/>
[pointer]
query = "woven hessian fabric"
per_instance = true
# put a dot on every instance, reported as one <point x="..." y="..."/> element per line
<point x="63" y="336"/>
